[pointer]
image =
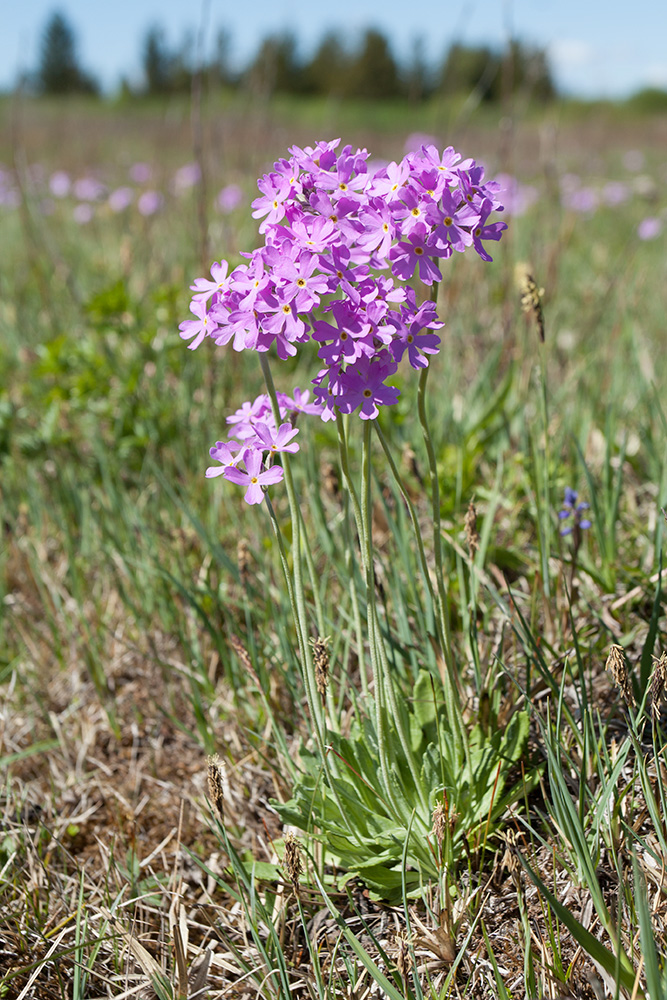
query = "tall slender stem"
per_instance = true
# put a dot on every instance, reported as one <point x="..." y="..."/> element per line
<point x="383" y="679"/>
<point x="416" y="528"/>
<point x="450" y="678"/>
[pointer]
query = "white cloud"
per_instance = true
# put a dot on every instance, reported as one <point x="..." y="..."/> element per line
<point x="656" y="75"/>
<point x="571" y="53"/>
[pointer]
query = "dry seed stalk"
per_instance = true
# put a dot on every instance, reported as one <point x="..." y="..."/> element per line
<point x="470" y="525"/>
<point x="439" y="823"/>
<point x="217" y="784"/>
<point x="531" y="295"/>
<point x="617" y="667"/>
<point x="321" y="662"/>
<point x="658" y="685"/>
<point x="292" y="859"/>
<point x="403" y="957"/>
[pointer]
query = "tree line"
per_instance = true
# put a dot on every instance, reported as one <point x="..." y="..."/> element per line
<point x="367" y="69"/>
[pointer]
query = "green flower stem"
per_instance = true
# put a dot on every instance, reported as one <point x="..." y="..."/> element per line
<point x="298" y="600"/>
<point x="351" y="496"/>
<point x="345" y="466"/>
<point x="362" y="519"/>
<point x="417" y="530"/>
<point x="312" y="573"/>
<point x="451" y="690"/>
<point x="356" y="614"/>
<point x="374" y="638"/>
<point x="382" y="670"/>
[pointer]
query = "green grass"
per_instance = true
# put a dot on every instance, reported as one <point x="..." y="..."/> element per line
<point x="135" y="640"/>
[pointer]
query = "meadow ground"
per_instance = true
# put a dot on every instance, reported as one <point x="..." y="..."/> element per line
<point x="146" y="623"/>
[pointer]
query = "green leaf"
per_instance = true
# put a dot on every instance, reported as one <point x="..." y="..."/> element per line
<point x="601" y="955"/>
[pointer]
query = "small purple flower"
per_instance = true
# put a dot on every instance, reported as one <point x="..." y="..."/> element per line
<point x="120" y="199"/>
<point x="571" y="507"/>
<point x="150" y="202"/>
<point x="615" y="193"/>
<point x="60" y="184"/>
<point x="83" y="213"/>
<point x="186" y="177"/>
<point x="198" y="328"/>
<point x="89" y="189"/>
<point x="229" y="198"/>
<point x="222" y="452"/>
<point x="140" y="173"/>
<point x="269" y="440"/>
<point x="649" y="228"/>
<point x="254" y="478"/>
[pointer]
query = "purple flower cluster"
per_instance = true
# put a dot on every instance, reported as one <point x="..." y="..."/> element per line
<point x="255" y="441"/>
<point x="337" y="237"/>
<point x="571" y="507"/>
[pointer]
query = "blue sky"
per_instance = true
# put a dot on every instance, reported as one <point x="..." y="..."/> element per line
<point x="596" y="48"/>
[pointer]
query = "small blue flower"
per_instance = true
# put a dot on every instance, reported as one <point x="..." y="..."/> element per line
<point x="570" y="506"/>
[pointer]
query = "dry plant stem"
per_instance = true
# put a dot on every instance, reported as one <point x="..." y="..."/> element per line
<point x="381" y="668"/>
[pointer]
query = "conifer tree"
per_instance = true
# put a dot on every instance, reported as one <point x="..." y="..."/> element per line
<point x="59" y="70"/>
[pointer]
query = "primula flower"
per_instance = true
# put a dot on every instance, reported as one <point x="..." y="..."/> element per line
<point x="331" y="226"/>
<point x="254" y="478"/>
<point x="205" y="288"/>
<point x="222" y="452"/>
<point x="574" y="509"/>
<point x="276" y="441"/>
<point x="198" y="328"/>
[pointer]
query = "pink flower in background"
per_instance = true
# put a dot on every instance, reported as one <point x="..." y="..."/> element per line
<point x="140" y="173"/>
<point x="83" y="213"/>
<point x="89" y="189"/>
<point x="517" y="197"/>
<point x="120" y="199"/>
<point x="9" y="196"/>
<point x="60" y="184"/>
<point x="150" y="202"/>
<point x="584" y="200"/>
<point x="615" y="193"/>
<point x="186" y="177"/>
<point x="229" y="198"/>
<point x="649" y="228"/>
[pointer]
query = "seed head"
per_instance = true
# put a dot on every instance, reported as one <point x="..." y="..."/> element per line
<point x="658" y="685"/>
<point x="617" y="667"/>
<point x="470" y="525"/>
<point x="403" y="957"/>
<point x="217" y="784"/>
<point x="241" y="652"/>
<point x="439" y="822"/>
<point x="292" y="859"/>
<point x="531" y="295"/>
<point x="321" y="662"/>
